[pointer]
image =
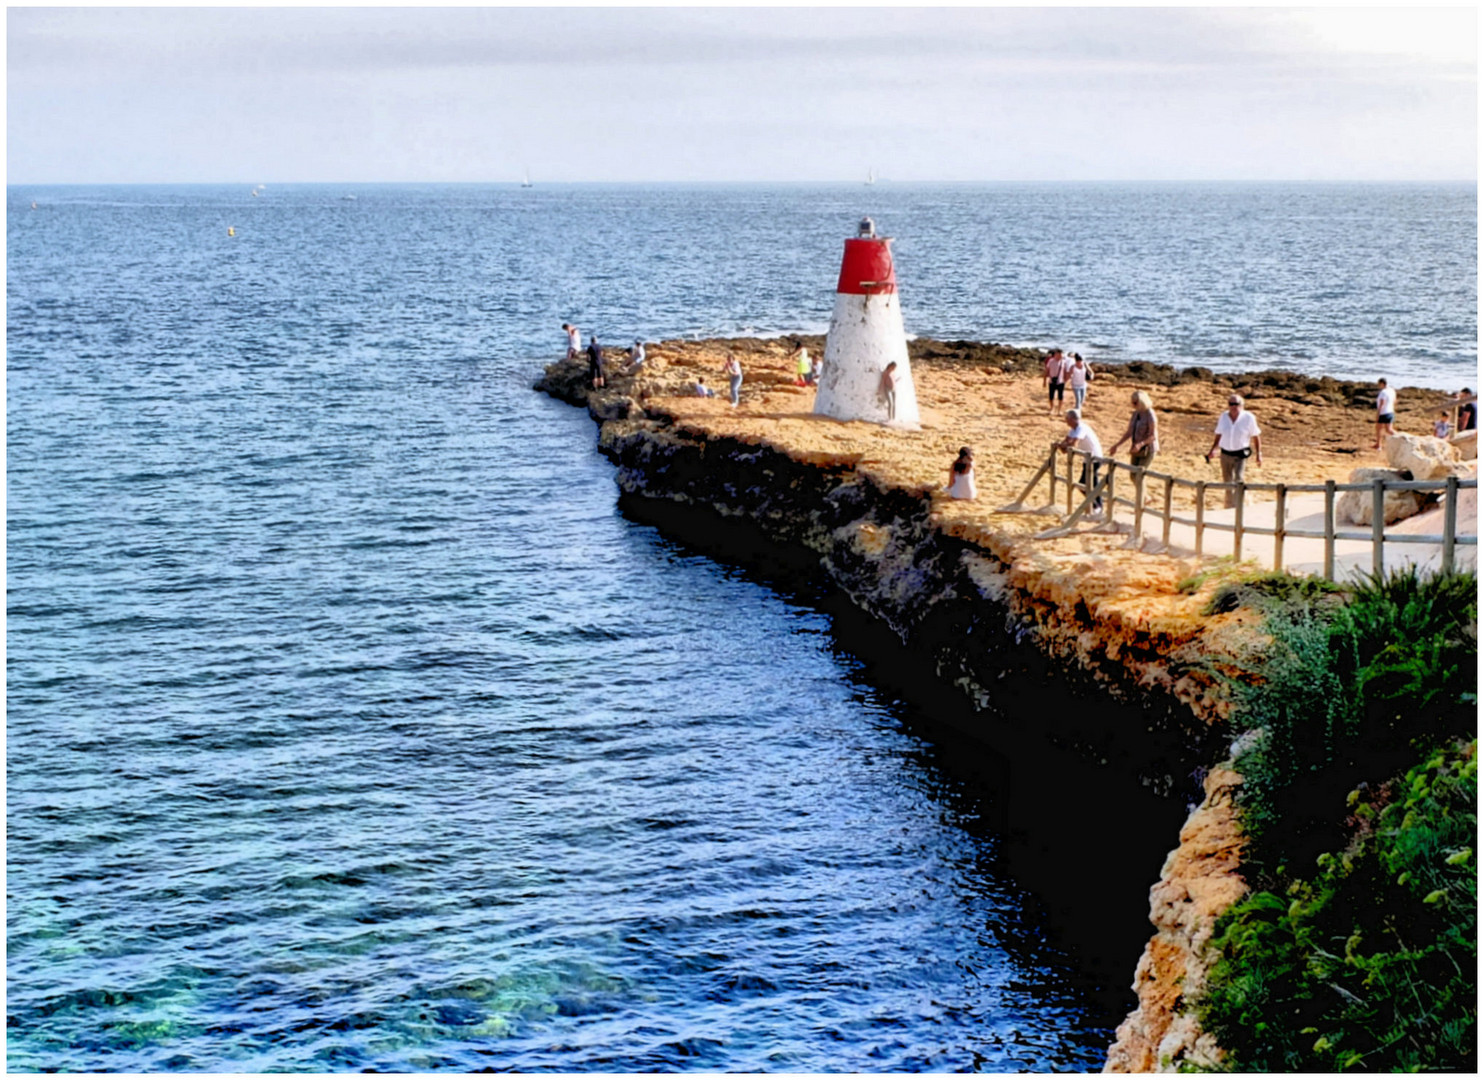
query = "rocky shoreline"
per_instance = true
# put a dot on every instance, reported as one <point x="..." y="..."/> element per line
<point x="969" y="589"/>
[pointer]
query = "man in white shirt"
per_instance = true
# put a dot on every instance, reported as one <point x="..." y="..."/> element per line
<point x="1385" y="412"/>
<point x="1237" y="437"/>
<point x="574" y="341"/>
<point x="1080" y="436"/>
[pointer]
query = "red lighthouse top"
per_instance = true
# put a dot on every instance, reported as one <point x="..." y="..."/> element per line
<point x="867" y="268"/>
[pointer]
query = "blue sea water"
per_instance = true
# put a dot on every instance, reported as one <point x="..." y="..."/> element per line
<point x="352" y="726"/>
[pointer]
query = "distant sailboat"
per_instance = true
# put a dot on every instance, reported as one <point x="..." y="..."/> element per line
<point x="527" y="181"/>
<point x="870" y="177"/>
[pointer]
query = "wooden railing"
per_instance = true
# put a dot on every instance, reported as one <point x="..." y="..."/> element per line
<point x="1101" y="487"/>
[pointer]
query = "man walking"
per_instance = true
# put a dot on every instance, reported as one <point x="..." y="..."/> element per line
<point x="1238" y="438"/>
<point x="1052" y="378"/>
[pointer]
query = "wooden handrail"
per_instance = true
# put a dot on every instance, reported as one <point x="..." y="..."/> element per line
<point x="1106" y="489"/>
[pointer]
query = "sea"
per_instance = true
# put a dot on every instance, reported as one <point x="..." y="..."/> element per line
<point x="354" y="725"/>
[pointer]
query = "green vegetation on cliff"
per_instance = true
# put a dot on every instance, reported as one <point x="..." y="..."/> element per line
<point x="1357" y="948"/>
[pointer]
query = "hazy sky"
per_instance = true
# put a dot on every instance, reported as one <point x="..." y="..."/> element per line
<point x="480" y="94"/>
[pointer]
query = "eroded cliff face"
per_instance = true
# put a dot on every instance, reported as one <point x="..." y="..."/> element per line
<point x="1200" y="880"/>
<point x="981" y="602"/>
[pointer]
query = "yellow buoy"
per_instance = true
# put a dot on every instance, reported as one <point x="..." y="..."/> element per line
<point x="231" y="231"/>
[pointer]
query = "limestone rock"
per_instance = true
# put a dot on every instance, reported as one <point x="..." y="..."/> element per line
<point x="1355" y="506"/>
<point x="1425" y="457"/>
<point x="1200" y="880"/>
<point x="1466" y="444"/>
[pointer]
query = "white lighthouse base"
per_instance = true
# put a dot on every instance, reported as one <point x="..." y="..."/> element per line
<point x="865" y="335"/>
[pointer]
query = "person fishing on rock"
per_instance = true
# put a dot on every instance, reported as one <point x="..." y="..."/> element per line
<point x="595" y="363"/>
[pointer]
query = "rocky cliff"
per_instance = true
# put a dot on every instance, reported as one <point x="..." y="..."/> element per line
<point x="981" y="601"/>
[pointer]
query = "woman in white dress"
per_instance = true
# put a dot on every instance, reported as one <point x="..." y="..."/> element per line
<point x="961" y="476"/>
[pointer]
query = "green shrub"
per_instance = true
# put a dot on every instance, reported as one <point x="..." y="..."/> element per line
<point x="1346" y="692"/>
<point x="1358" y="949"/>
<point x="1274" y="589"/>
<point x="1369" y="964"/>
<point x="1220" y="567"/>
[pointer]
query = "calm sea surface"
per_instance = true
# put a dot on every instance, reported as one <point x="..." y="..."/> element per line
<point x="351" y="726"/>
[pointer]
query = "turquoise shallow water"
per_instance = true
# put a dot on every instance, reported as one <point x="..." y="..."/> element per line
<point x="350" y="725"/>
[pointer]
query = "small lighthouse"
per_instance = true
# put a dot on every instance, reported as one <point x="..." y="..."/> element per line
<point x="865" y="337"/>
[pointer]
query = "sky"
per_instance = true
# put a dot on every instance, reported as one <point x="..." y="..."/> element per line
<point x="479" y="94"/>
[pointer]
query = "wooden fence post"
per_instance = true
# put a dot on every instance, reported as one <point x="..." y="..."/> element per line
<point x="1450" y="522"/>
<point x="1280" y="518"/>
<point x="1070" y="455"/>
<point x="1329" y="530"/>
<point x="1111" y="506"/>
<point x="1138" y="506"/>
<point x="1241" y="509"/>
<point x="1169" y="494"/>
<point x="1378" y="525"/>
<point x="1051" y="471"/>
<point x="1200" y="517"/>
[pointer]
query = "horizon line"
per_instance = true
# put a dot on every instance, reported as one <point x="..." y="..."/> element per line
<point x="1432" y="180"/>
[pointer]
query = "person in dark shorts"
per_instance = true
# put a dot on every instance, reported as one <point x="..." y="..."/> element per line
<point x="595" y="363"/>
<point x="1385" y="412"/>
<point x="1054" y="378"/>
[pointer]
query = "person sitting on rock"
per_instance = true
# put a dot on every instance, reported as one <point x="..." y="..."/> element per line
<point x="961" y="476"/>
<point x="815" y="367"/>
<point x="702" y="390"/>
<point x="1442" y="427"/>
<point x="636" y="358"/>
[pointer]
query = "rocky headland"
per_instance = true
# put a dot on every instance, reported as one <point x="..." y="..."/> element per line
<point x="973" y="590"/>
